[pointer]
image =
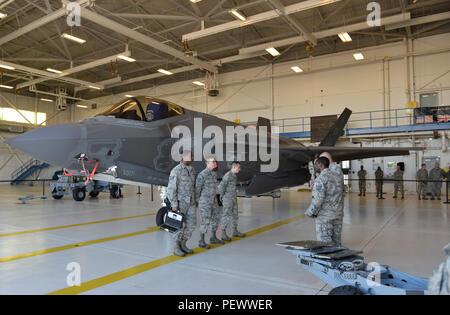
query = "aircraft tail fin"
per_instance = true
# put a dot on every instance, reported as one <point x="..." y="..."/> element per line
<point x="336" y="131"/>
<point x="264" y="122"/>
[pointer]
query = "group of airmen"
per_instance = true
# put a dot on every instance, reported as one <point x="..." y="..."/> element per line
<point x="186" y="192"/>
<point x="327" y="207"/>
<point x="434" y="178"/>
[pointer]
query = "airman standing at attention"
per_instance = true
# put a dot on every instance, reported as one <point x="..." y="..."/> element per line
<point x="422" y="178"/>
<point x="336" y="169"/>
<point x="324" y="206"/>
<point x="227" y="191"/>
<point x="437" y="174"/>
<point x="181" y="194"/>
<point x="206" y="196"/>
<point x="379" y="182"/>
<point x="362" y="181"/>
<point x="398" y="182"/>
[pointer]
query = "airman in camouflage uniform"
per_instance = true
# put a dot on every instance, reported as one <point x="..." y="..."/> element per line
<point x="362" y="181"/>
<point x="398" y="182"/>
<point x="439" y="282"/>
<point x="379" y="182"/>
<point x="181" y="194"/>
<point x="436" y="174"/>
<point x="422" y="178"/>
<point x="206" y="196"/>
<point x="227" y="191"/>
<point x="336" y="169"/>
<point x="324" y="207"/>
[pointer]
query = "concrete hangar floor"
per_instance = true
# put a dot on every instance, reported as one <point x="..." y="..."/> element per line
<point x="118" y="250"/>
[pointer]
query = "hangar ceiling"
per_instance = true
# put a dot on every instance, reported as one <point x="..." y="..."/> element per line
<point x="186" y="38"/>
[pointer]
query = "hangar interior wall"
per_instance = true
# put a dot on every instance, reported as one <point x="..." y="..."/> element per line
<point x="327" y="85"/>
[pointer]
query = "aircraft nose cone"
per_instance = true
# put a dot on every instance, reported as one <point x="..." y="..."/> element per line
<point x="50" y="144"/>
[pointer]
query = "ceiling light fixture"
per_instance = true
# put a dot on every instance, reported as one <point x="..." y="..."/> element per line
<point x="128" y="95"/>
<point x="73" y="38"/>
<point x="345" y="37"/>
<point x="7" y="67"/>
<point x="199" y="83"/>
<point x="272" y="51"/>
<point x="82" y="106"/>
<point x="95" y="87"/>
<point x="358" y="56"/>
<point x="6" y="87"/>
<point x="297" y="69"/>
<point x="165" y="72"/>
<point x="238" y="15"/>
<point x="129" y="59"/>
<point x="195" y="1"/>
<point x="54" y="71"/>
<point x="3" y="15"/>
<point x="47" y="100"/>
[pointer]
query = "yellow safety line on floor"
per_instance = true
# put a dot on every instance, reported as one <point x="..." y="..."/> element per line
<point x="120" y="275"/>
<point x="75" y="225"/>
<point x="75" y="245"/>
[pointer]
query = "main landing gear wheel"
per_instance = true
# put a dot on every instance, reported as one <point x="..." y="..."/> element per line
<point x="79" y="194"/>
<point x="161" y="216"/>
<point x="115" y="192"/>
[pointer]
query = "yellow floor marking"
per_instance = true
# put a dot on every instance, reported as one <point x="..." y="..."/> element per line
<point x="76" y="245"/>
<point x="120" y="275"/>
<point x="75" y="225"/>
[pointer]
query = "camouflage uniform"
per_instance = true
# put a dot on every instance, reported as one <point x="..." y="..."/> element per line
<point x="398" y="183"/>
<point x="379" y="182"/>
<point x="205" y="194"/>
<point x="437" y="174"/>
<point x="422" y="177"/>
<point x="227" y="191"/>
<point x="327" y="194"/>
<point x="439" y="282"/>
<point x="337" y="229"/>
<point x="362" y="182"/>
<point x="181" y="193"/>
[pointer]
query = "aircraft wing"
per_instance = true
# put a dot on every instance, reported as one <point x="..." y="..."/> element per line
<point x="306" y="154"/>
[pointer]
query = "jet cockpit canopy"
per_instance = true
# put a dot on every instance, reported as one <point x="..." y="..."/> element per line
<point x="143" y="108"/>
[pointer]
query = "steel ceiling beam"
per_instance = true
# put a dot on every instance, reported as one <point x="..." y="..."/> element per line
<point x="296" y="26"/>
<point x="259" y="50"/>
<point x="38" y="23"/>
<point x="156" y="16"/>
<point x="50" y="76"/>
<point x="119" y="28"/>
<point x="420" y="20"/>
<point x="325" y="33"/>
<point x="268" y="15"/>
<point x="79" y="68"/>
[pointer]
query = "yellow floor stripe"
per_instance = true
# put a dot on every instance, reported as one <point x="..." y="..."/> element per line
<point x="75" y="225"/>
<point x="120" y="275"/>
<point x="76" y="245"/>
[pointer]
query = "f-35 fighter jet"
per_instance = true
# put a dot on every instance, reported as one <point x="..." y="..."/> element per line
<point x="133" y="141"/>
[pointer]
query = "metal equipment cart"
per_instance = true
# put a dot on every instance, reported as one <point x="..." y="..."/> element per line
<point x="344" y="270"/>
